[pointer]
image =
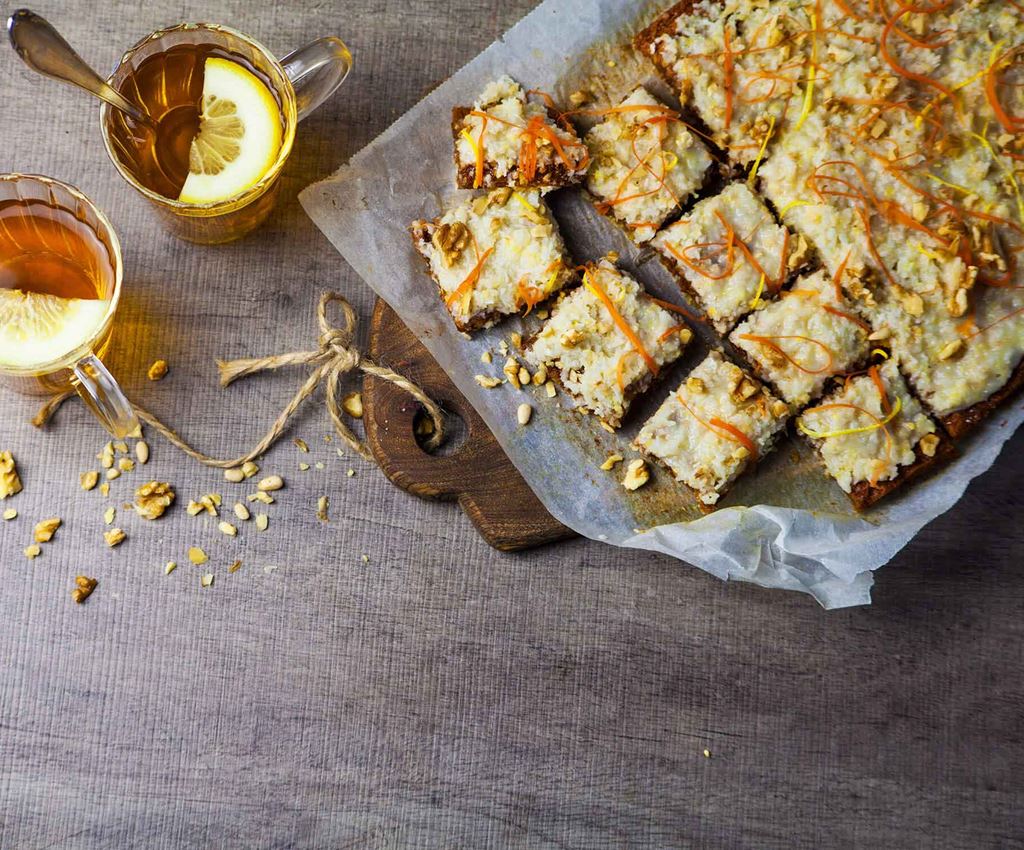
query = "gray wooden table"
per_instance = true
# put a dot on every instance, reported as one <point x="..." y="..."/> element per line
<point x="439" y="694"/>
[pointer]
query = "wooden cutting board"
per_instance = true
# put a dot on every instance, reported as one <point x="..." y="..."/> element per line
<point x="477" y="473"/>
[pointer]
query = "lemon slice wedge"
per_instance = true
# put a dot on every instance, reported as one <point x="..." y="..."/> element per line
<point x="239" y="134"/>
<point x="37" y="329"/>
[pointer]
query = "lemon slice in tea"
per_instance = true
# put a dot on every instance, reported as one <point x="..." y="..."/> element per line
<point x="36" y="329"/>
<point x="239" y="134"/>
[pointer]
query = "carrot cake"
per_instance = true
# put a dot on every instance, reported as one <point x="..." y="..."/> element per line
<point x="607" y="340"/>
<point x="645" y="163"/>
<point x="804" y="338"/>
<point x="494" y="256"/>
<point x="507" y="139"/>
<point x="873" y="435"/>
<point x="729" y="253"/>
<point x="713" y="427"/>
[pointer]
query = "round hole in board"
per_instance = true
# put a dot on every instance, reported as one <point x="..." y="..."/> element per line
<point x="455" y="429"/>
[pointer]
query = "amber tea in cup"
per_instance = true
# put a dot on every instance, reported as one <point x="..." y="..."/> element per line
<point x="225" y="113"/>
<point x="60" y="282"/>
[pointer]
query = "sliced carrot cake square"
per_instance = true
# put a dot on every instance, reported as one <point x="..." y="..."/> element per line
<point x="713" y="427"/>
<point x="873" y="435"/>
<point x="494" y="256"/>
<point x="729" y="253"/>
<point x="803" y="338"/>
<point x="645" y="163"/>
<point x="607" y="340"/>
<point x="507" y="139"/>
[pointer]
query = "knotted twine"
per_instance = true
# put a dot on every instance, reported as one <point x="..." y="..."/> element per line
<point x="336" y="356"/>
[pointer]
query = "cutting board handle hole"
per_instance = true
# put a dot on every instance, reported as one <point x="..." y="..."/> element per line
<point x="456" y="430"/>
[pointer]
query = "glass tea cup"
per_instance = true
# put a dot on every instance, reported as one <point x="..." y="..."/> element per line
<point x="60" y="285"/>
<point x="155" y="69"/>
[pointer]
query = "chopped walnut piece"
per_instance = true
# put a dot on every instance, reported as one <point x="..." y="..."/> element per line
<point x="929" y="443"/>
<point x="745" y="390"/>
<point x="487" y="382"/>
<point x="10" y="483"/>
<point x="84" y="586"/>
<point x="153" y="499"/>
<point x="912" y="303"/>
<point x="157" y="371"/>
<point x="450" y="240"/>
<point x="637" y="474"/>
<point x="952" y="349"/>
<point x="352" y="404"/>
<point x="88" y="480"/>
<point x="512" y="372"/>
<point x="798" y="257"/>
<point x="114" y="537"/>
<point x="611" y="462"/>
<point x="44" y="530"/>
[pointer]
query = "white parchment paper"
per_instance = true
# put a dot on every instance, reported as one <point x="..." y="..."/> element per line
<point x="787" y="526"/>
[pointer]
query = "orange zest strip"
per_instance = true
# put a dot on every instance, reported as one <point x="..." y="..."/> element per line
<point x="740" y="437"/>
<point x="619" y="377"/>
<point x="623" y="325"/>
<point x="883" y="50"/>
<point x="774" y="283"/>
<point x="471" y="279"/>
<point x="883" y="396"/>
<point x="769" y="342"/>
<point x="1011" y="123"/>
<point x="675" y="308"/>
<point x="724" y="430"/>
<point x="1008" y="316"/>
<point x="730" y="264"/>
<point x="864" y="326"/>
<point x="670" y="331"/>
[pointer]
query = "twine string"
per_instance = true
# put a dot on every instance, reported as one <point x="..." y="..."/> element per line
<point x="336" y="357"/>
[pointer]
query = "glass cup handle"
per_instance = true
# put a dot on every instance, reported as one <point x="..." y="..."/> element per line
<point x="316" y="71"/>
<point x="103" y="396"/>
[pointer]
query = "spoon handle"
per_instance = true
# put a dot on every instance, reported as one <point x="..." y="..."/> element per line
<point x="43" y="49"/>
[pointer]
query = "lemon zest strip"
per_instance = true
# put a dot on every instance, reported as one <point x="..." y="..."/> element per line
<point x="821" y="435"/>
<point x="793" y="205"/>
<point x="757" y="295"/>
<point x="811" y="73"/>
<point x="760" y="153"/>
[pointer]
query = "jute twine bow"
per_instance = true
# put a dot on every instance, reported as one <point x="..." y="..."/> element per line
<point x="335" y="357"/>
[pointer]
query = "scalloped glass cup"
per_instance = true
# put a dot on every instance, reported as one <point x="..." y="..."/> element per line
<point x="81" y="367"/>
<point x="300" y="82"/>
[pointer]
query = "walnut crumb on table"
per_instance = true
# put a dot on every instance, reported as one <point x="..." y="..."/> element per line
<point x="157" y="371"/>
<point x="84" y="586"/>
<point x="10" y="482"/>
